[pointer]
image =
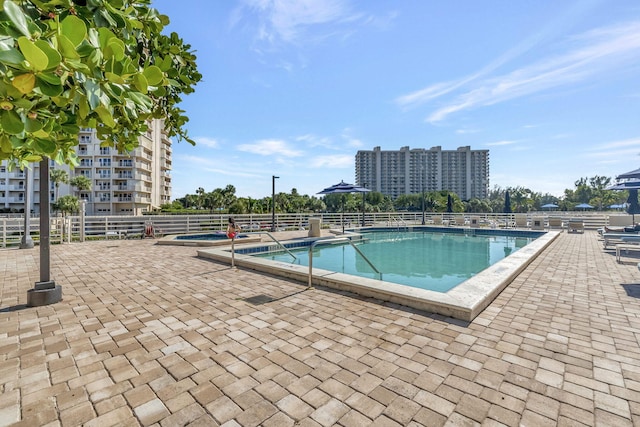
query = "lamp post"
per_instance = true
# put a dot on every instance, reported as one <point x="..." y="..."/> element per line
<point x="273" y="202"/>
<point x="27" y="241"/>
<point x="363" y="204"/>
<point x="422" y="192"/>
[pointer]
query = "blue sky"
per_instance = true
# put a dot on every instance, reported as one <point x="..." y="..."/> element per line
<point x="294" y="88"/>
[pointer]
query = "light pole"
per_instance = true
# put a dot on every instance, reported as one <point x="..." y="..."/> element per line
<point x="273" y="202"/>
<point x="363" y="204"/>
<point x="422" y="192"/>
<point x="27" y="241"/>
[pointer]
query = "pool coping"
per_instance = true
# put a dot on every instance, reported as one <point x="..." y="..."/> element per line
<point x="173" y="240"/>
<point x="464" y="301"/>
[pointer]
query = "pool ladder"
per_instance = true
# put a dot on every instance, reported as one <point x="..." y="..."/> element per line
<point x="331" y="242"/>
<point x="233" y="249"/>
<point x="278" y="243"/>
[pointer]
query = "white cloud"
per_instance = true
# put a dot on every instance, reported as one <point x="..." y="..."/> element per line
<point x="466" y="131"/>
<point x="316" y="141"/>
<point x="304" y="22"/>
<point x="270" y="147"/>
<point x="206" y="141"/>
<point x="615" y="150"/>
<point x="500" y="143"/>
<point x="600" y="50"/>
<point x="288" y="21"/>
<point x="335" y="161"/>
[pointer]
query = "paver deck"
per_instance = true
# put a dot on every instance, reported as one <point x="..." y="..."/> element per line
<point x="152" y="335"/>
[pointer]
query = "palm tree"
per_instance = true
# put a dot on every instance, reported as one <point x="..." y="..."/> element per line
<point x="58" y="176"/>
<point x="81" y="182"/>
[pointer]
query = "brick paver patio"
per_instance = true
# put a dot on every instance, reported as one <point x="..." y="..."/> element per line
<point x="152" y="335"/>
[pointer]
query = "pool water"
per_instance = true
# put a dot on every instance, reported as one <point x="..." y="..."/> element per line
<point x="219" y="235"/>
<point x="428" y="260"/>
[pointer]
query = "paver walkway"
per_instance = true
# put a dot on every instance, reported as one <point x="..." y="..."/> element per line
<point x="152" y="335"/>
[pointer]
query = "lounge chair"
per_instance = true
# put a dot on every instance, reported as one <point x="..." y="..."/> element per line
<point x="616" y="238"/>
<point x="555" y="222"/>
<point x="437" y="219"/>
<point x="521" y="221"/>
<point x="575" y="225"/>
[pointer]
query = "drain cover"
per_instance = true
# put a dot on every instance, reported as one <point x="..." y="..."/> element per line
<point x="259" y="299"/>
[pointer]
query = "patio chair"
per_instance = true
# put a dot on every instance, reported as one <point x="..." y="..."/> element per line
<point x="521" y="221"/>
<point x="459" y="220"/>
<point x="555" y="222"/>
<point x="574" y="225"/>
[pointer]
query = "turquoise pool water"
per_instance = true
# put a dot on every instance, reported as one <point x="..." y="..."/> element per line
<point x="422" y="259"/>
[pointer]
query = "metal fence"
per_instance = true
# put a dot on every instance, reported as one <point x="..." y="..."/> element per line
<point x="77" y="228"/>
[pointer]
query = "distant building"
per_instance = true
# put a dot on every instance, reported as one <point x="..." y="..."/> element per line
<point x="407" y="171"/>
<point x="122" y="184"/>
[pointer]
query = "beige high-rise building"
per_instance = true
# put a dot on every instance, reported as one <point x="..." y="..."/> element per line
<point x="408" y="171"/>
<point x="122" y="184"/>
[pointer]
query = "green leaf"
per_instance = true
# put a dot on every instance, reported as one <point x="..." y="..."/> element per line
<point x="53" y="55"/>
<point x="11" y="122"/>
<point x="11" y="56"/>
<point x="143" y="102"/>
<point x="48" y="89"/>
<point x="47" y="146"/>
<point x="67" y="49"/>
<point x="16" y="16"/>
<point x="32" y="53"/>
<point x="32" y="125"/>
<point x="93" y="93"/>
<point x="105" y="116"/>
<point x="83" y="107"/>
<point x="154" y="75"/>
<point x="114" y="78"/>
<point x="70" y="128"/>
<point x="5" y="144"/>
<point x="165" y="63"/>
<point x="24" y="83"/>
<point x="74" y="28"/>
<point x="85" y="49"/>
<point x="114" y="49"/>
<point x="50" y="78"/>
<point x="104" y="35"/>
<point x="42" y="133"/>
<point x="140" y="82"/>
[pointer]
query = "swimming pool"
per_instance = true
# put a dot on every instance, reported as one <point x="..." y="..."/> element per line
<point x="422" y="259"/>
<point x="464" y="301"/>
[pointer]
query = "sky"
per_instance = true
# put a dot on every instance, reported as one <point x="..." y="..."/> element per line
<point x="294" y="88"/>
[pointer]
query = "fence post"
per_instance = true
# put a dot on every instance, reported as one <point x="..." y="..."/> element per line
<point x="83" y="211"/>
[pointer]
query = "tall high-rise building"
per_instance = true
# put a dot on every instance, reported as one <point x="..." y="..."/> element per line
<point x="406" y="171"/>
<point x="122" y="184"/>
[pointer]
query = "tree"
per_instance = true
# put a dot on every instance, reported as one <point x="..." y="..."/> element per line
<point x="81" y="182"/>
<point x="58" y="176"/>
<point x="71" y="64"/>
<point x="103" y="64"/>
<point x="67" y="204"/>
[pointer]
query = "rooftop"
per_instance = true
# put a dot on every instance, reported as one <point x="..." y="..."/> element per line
<point x="152" y="335"/>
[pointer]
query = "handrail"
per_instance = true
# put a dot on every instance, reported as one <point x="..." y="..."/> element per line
<point x="277" y="242"/>
<point x="330" y="242"/>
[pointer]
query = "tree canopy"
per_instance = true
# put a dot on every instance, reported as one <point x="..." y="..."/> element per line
<point x="71" y="64"/>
